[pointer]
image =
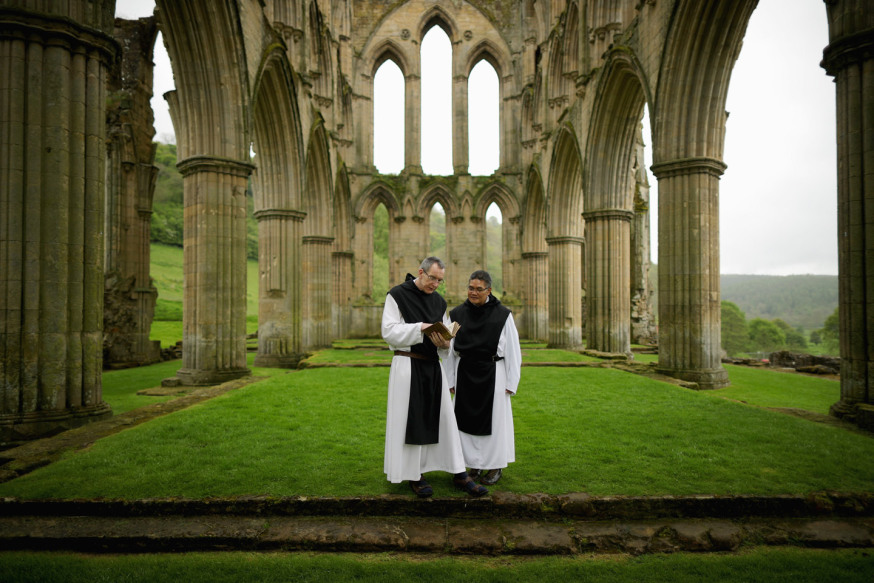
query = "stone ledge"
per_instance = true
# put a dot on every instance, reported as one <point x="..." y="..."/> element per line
<point x="544" y="507"/>
<point x="432" y="535"/>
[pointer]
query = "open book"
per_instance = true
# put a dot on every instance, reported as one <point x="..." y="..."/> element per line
<point x="447" y="333"/>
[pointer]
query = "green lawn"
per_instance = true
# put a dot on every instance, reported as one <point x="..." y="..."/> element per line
<point x="320" y="432"/>
<point x="761" y="565"/>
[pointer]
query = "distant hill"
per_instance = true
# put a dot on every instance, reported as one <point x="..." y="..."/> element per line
<point x="799" y="300"/>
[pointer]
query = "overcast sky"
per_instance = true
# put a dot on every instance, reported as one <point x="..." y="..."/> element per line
<point x="778" y="197"/>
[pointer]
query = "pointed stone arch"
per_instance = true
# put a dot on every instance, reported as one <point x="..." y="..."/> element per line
<point x="565" y="228"/>
<point x="610" y="159"/>
<point x="378" y="192"/>
<point x="703" y="43"/>
<point x="437" y="16"/>
<point x="278" y="184"/>
<point x="210" y="109"/>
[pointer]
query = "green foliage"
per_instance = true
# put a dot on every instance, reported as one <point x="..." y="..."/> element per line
<point x="735" y="335"/>
<point x="438" y="232"/>
<point x="800" y="300"/>
<point x="494" y="254"/>
<point x="795" y="339"/>
<point x="765" y="336"/>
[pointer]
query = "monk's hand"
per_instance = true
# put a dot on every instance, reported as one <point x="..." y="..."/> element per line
<point x="438" y="340"/>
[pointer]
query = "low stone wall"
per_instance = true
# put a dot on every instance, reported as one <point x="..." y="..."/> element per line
<point x="808" y="363"/>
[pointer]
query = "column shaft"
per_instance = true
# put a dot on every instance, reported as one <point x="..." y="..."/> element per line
<point x="53" y="73"/>
<point x="849" y="58"/>
<point x="279" y="289"/>
<point x="689" y="298"/>
<point x="317" y="294"/>
<point x="214" y="310"/>
<point x="536" y="295"/>
<point x="565" y="291"/>
<point x="608" y="279"/>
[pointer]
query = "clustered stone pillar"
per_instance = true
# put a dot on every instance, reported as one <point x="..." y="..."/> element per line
<point x="214" y="258"/>
<point x="413" y="124"/>
<point x="565" y="290"/>
<point x="849" y="58"/>
<point x="129" y="296"/>
<point x="689" y="305"/>
<point x="608" y="293"/>
<point x="317" y="294"/>
<point x="279" y="308"/>
<point x="342" y="292"/>
<point x="53" y="74"/>
<point x="536" y="295"/>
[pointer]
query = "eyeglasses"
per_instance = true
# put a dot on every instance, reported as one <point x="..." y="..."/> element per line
<point x="478" y="290"/>
<point x="433" y="279"/>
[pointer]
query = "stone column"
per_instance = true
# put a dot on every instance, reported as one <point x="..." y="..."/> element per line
<point x="407" y="248"/>
<point x="465" y="252"/>
<point x="565" y="291"/>
<point x="53" y="75"/>
<point x="362" y="267"/>
<point x="343" y="290"/>
<point x="460" y="138"/>
<point x="849" y="58"/>
<point x="279" y="290"/>
<point x="536" y="295"/>
<point x="608" y="293"/>
<point x="511" y="260"/>
<point x="317" y="294"/>
<point x="413" y="125"/>
<point x="214" y="310"/>
<point x="129" y="296"/>
<point x="689" y="298"/>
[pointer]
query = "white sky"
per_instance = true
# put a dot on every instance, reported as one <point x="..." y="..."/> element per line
<point x="778" y="197"/>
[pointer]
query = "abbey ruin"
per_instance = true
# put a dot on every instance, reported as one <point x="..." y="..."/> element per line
<point x="293" y="82"/>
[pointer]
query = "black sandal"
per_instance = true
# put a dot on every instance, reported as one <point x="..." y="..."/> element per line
<point x="421" y="488"/>
<point x="469" y="486"/>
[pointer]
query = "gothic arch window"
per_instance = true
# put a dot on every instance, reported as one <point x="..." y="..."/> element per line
<point x="436" y="112"/>
<point x="483" y="117"/>
<point x="388" y="118"/>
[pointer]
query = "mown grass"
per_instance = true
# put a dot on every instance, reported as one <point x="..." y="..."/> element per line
<point x="770" y="388"/>
<point x="320" y="432"/>
<point x="764" y="565"/>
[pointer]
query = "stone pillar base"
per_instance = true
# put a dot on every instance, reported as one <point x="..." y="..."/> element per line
<point x="279" y="361"/>
<point x="861" y="414"/>
<point x="195" y="378"/>
<point x="26" y="426"/>
<point x="707" y="379"/>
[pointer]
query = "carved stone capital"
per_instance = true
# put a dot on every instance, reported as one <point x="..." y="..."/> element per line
<point x="607" y="214"/>
<point x="687" y="166"/>
<point x="268" y="214"/>
<point x="214" y="164"/>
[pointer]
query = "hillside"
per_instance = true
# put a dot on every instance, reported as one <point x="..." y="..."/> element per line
<point x="800" y="300"/>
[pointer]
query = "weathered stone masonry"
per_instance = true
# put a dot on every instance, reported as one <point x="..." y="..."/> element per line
<point x="292" y="81"/>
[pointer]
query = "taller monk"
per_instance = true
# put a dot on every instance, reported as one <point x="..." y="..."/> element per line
<point x="421" y="434"/>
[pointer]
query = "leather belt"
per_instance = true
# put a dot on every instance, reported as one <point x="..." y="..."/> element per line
<point x="412" y="355"/>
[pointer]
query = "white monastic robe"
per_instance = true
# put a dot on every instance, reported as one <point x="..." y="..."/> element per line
<point x="491" y="452"/>
<point x="403" y="461"/>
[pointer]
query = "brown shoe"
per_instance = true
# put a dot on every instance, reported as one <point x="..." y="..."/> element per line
<point x="421" y="488"/>
<point x="491" y="477"/>
<point x="474" y="474"/>
<point x="469" y="486"/>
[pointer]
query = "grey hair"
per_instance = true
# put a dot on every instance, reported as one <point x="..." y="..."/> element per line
<point x="481" y="275"/>
<point x="429" y="261"/>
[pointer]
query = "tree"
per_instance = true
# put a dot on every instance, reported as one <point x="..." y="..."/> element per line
<point x="795" y="339"/>
<point x="766" y="336"/>
<point x="735" y="335"/>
